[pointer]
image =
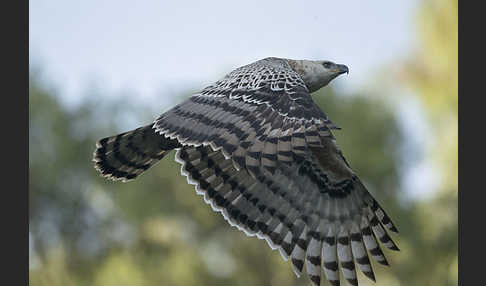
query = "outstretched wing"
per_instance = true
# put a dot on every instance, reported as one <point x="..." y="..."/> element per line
<point x="262" y="153"/>
<point x="259" y="115"/>
<point x="310" y="214"/>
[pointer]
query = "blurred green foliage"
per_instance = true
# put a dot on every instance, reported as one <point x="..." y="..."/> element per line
<point x="432" y="74"/>
<point x="85" y="230"/>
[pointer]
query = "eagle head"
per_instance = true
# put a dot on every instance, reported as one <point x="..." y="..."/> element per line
<point x="317" y="74"/>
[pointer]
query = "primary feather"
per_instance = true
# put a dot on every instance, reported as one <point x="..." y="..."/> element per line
<point x="262" y="153"/>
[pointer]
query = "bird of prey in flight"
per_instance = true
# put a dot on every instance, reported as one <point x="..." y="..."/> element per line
<point x="262" y="153"/>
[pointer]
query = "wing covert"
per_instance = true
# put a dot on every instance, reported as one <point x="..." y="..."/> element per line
<point x="259" y="115"/>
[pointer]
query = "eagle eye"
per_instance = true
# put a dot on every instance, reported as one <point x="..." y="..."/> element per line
<point x="327" y="64"/>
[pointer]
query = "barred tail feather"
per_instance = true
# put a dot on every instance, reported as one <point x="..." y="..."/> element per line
<point x="127" y="155"/>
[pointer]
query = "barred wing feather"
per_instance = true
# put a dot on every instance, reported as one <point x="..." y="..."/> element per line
<point x="258" y="115"/>
<point x="311" y="220"/>
<point x="261" y="152"/>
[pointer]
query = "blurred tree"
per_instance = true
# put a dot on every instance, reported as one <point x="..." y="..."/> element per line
<point x="432" y="74"/>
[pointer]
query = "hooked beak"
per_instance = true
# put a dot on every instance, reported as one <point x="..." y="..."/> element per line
<point x="342" y="69"/>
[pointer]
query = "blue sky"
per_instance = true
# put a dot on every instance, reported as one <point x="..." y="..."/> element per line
<point x="161" y="47"/>
<point x="158" y="49"/>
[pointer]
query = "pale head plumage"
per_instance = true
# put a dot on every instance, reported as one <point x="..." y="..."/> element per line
<point x="317" y="74"/>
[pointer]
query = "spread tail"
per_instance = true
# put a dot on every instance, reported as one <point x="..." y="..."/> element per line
<point x="127" y="155"/>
